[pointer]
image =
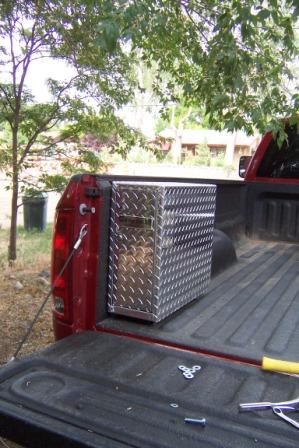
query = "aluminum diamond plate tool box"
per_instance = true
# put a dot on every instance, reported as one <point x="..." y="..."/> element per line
<point x="160" y="247"/>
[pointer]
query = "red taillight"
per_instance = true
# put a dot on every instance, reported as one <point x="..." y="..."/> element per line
<point x="59" y="241"/>
<point x="61" y="249"/>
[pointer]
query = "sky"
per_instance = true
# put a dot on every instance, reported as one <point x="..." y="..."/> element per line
<point x="139" y="116"/>
<point x="40" y="71"/>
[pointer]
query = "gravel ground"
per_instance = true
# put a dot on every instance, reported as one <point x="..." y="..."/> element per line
<point x="21" y="293"/>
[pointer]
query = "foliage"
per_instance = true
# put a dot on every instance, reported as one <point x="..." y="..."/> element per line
<point x="196" y="119"/>
<point x="202" y="156"/>
<point x="108" y="157"/>
<point x="141" y="155"/>
<point x="101" y="81"/>
<point x="231" y="56"/>
<point x="219" y="160"/>
<point x="165" y="158"/>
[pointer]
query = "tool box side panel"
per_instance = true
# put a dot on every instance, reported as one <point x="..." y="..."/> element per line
<point x="185" y="245"/>
<point x="132" y="241"/>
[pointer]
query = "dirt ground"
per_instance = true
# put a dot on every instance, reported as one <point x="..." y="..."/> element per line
<point x="22" y="290"/>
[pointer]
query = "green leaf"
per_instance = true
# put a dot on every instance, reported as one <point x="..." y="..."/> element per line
<point x="263" y="15"/>
<point x="220" y="99"/>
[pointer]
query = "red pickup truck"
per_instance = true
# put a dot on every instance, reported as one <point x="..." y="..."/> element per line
<point x="126" y="378"/>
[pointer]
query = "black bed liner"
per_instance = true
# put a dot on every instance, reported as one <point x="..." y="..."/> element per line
<point x="100" y="390"/>
<point x="251" y="310"/>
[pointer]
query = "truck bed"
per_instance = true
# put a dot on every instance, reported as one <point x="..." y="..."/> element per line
<point x="251" y="310"/>
<point x="100" y="390"/>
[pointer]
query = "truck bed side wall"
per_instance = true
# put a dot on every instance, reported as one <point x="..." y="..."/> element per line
<point x="230" y="201"/>
<point x="273" y="211"/>
<point x="231" y="209"/>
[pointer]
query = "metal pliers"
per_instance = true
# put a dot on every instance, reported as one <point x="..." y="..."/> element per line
<point x="277" y="408"/>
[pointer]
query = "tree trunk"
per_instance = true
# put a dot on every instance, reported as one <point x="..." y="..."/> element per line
<point x="230" y="148"/>
<point x="12" y="249"/>
<point x="177" y="147"/>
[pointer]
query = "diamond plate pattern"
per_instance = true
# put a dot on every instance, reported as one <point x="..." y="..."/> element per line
<point x="160" y="247"/>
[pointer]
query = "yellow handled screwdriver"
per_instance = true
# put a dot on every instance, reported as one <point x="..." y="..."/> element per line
<point x="278" y="365"/>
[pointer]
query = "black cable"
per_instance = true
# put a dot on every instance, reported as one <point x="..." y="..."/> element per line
<point x="25" y="337"/>
<point x="82" y="234"/>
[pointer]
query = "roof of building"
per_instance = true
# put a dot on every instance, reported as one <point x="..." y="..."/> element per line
<point x="210" y="137"/>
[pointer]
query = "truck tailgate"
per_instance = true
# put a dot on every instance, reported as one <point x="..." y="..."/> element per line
<point x="100" y="390"/>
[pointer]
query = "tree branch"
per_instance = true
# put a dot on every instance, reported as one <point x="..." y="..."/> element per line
<point x="44" y="56"/>
<point x="12" y="52"/>
<point x="195" y="24"/>
<point x="58" y="140"/>
<point x="26" y="61"/>
<point x="42" y="128"/>
<point x="8" y="99"/>
<point x="186" y="6"/>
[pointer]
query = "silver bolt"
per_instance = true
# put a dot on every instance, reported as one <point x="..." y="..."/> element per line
<point x="195" y="421"/>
